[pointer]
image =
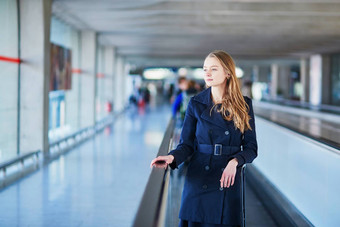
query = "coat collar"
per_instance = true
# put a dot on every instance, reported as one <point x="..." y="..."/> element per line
<point x="204" y="97"/>
<point x="215" y="118"/>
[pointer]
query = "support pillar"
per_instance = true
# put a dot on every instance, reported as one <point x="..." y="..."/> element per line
<point x="119" y="85"/>
<point x="35" y="19"/>
<point x="326" y="78"/>
<point x="304" y="78"/>
<point x="88" y="79"/>
<point x="315" y="79"/>
<point x="274" y="81"/>
<point x="284" y="80"/>
<point x="109" y="68"/>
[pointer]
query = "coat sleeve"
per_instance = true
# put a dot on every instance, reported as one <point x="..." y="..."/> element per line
<point x="186" y="144"/>
<point x="249" y="143"/>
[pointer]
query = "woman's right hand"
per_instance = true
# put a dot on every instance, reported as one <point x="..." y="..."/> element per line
<point x="162" y="161"/>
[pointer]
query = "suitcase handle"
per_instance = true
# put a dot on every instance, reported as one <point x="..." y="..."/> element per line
<point x="243" y="191"/>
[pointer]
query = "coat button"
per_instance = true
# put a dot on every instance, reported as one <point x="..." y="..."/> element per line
<point x="226" y="132"/>
<point x="205" y="186"/>
<point x="221" y="189"/>
<point x="206" y="168"/>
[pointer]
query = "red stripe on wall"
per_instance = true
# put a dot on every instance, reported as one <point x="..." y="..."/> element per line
<point x="9" y="59"/>
<point x="76" y="70"/>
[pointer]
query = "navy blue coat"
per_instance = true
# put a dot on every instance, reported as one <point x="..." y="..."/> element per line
<point x="203" y="200"/>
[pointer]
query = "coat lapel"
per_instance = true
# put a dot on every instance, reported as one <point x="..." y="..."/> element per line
<point x="214" y="118"/>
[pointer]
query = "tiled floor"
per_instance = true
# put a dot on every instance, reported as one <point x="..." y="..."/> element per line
<point x="99" y="183"/>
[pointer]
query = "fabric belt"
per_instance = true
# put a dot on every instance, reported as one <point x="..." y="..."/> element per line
<point x="217" y="149"/>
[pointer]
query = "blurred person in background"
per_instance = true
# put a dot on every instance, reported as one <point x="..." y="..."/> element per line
<point x="187" y="90"/>
<point x="183" y="86"/>
<point x="218" y="122"/>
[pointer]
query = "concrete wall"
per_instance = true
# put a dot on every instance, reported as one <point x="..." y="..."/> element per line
<point x="88" y="78"/>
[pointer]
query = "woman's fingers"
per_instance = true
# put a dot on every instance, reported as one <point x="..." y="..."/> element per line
<point x="161" y="165"/>
<point x="232" y="180"/>
<point x="227" y="180"/>
<point x="160" y="162"/>
<point x="222" y="180"/>
<point x="156" y="159"/>
<point x="153" y="162"/>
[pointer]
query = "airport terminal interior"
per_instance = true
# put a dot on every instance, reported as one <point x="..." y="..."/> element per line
<point x="89" y="94"/>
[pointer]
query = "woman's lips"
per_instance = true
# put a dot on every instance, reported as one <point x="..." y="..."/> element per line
<point x="209" y="79"/>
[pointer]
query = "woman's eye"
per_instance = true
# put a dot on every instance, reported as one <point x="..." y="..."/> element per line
<point x="214" y="69"/>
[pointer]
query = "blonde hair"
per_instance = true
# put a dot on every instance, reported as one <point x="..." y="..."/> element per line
<point x="232" y="100"/>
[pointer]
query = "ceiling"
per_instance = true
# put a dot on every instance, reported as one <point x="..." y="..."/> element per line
<point x="182" y="32"/>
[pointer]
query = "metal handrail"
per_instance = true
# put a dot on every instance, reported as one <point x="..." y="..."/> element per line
<point x="88" y="131"/>
<point x="308" y="105"/>
<point x="100" y="125"/>
<point x="149" y="211"/>
<point x="73" y="135"/>
<point x="20" y="158"/>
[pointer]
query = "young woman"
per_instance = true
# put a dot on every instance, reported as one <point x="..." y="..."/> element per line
<point x="219" y="135"/>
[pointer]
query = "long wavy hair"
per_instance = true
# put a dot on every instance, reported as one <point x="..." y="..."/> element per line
<point x="233" y="106"/>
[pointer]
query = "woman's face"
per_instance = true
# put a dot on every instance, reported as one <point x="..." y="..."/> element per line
<point x="214" y="74"/>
